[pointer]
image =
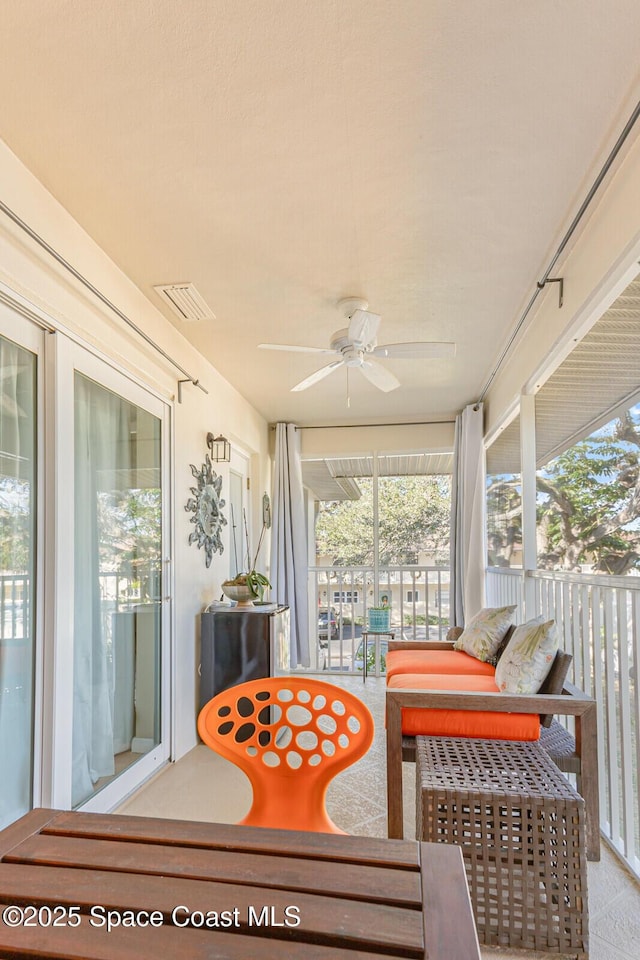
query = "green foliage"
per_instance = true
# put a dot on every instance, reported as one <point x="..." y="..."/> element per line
<point x="504" y="518"/>
<point x="589" y="501"/>
<point x="588" y="506"/>
<point x="16" y="525"/>
<point x="258" y="583"/>
<point x="129" y="526"/>
<point x="413" y="513"/>
<point x="420" y="620"/>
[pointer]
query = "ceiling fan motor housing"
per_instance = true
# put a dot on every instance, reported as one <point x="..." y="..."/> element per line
<point x="352" y="350"/>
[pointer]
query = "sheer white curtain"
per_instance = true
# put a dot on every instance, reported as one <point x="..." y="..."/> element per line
<point x="468" y="553"/>
<point x="17" y="525"/>
<point x="101" y="446"/>
<point x="289" y="555"/>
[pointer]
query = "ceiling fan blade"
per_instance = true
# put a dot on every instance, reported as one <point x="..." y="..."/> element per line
<point x="363" y="326"/>
<point x="418" y="350"/>
<point x="379" y="376"/>
<point x="290" y="347"/>
<point x="317" y="376"/>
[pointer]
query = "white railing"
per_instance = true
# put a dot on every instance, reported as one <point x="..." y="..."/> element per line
<point x="117" y="593"/>
<point x="15" y="607"/>
<point x="340" y="597"/>
<point x="599" y="622"/>
<point x="504" y="586"/>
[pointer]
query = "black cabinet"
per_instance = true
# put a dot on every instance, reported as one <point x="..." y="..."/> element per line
<point x="240" y="644"/>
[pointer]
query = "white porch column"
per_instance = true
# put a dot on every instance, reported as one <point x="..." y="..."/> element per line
<point x="528" y="478"/>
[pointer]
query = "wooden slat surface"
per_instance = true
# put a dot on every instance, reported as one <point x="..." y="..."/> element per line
<point x="355" y="881"/>
<point x="331" y="921"/>
<point x="151" y="943"/>
<point x="318" y="846"/>
<point x="449" y="930"/>
<point x="357" y="899"/>
<point x="30" y="824"/>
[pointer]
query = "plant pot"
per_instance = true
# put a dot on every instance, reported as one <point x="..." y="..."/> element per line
<point x="240" y="592"/>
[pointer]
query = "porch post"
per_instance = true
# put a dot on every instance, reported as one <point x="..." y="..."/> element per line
<point x="376" y="536"/>
<point x="528" y="480"/>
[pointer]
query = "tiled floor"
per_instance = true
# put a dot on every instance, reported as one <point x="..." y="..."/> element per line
<point x="203" y="786"/>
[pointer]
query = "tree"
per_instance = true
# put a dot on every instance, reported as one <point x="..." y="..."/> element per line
<point x="16" y="525"/>
<point x="413" y="517"/>
<point x="504" y="518"/>
<point x="588" y="505"/>
<point x="589" y="502"/>
<point x="129" y="526"/>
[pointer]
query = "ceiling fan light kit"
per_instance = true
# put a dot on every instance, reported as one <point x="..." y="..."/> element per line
<point x="357" y="346"/>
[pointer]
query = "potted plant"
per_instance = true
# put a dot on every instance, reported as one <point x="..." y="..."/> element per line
<point x="247" y="587"/>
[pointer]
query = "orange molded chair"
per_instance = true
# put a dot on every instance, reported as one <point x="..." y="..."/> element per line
<point x="291" y="736"/>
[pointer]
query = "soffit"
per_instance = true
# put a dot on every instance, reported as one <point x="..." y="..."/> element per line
<point x="324" y="486"/>
<point x="336" y="479"/>
<point x="281" y="154"/>
<point x="503" y="456"/>
<point x="599" y="378"/>
<point x="393" y="466"/>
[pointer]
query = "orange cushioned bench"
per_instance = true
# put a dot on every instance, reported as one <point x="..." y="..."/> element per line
<point x="436" y="662"/>
<point x="483" y="724"/>
<point x="434" y="690"/>
<point x="435" y="665"/>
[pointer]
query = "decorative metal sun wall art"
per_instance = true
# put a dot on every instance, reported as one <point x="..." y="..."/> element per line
<point x="206" y="505"/>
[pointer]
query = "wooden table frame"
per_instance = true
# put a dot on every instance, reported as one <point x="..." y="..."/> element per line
<point x="357" y="898"/>
<point x="572" y="702"/>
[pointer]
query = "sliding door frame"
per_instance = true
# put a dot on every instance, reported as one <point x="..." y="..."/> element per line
<point x="68" y="358"/>
<point x="15" y="325"/>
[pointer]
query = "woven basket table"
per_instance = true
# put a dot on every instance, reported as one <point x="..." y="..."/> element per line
<point x="521" y="828"/>
<point x="561" y="747"/>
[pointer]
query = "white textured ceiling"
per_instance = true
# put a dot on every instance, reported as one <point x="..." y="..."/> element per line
<point x="281" y="154"/>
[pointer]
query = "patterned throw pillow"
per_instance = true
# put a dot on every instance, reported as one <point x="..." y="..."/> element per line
<point x="527" y="659"/>
<point x="484" y="632"/>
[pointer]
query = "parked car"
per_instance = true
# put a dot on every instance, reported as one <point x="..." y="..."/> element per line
<point x="328" y="625"/>
<point x="371" y="652"/>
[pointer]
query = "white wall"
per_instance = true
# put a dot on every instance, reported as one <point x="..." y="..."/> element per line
<point x="361" y="441"/>
<point x="30" y="272"/>
<point x="599" y="263"/>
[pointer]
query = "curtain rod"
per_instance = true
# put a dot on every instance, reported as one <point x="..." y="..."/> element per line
<point x="563" y="243"/>
<point x="359" y="426"/>
<point x="94" y="290"/>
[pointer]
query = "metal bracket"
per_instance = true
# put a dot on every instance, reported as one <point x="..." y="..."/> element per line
<point x="560" y="280"/>
<point x="196" y="383"/>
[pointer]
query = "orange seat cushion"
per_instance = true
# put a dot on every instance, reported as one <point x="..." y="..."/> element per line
<point x="483" y="724"/>
<point x="436" y="661"/>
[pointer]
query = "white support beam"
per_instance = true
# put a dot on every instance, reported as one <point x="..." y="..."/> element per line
<point x="528" y="474"/>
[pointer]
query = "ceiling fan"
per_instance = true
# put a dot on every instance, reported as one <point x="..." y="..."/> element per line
<point x="357" y="346"/>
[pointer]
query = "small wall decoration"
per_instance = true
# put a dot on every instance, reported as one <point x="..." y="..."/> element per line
<point x="266" y="511"/>
<point x="206" y="505"/>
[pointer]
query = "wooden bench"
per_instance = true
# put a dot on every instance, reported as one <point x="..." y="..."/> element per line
<point x="571" y="702"/>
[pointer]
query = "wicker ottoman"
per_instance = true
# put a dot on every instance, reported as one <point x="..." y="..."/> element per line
<point x="521" y="828"/>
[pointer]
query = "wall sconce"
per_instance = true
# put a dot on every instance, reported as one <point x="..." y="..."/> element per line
<point x="220" y="448"/>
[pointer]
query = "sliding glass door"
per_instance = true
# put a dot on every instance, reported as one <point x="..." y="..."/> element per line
<point x="117" y="585"/>
<point x="18" y="500"/>
<point x="84" y="581"/>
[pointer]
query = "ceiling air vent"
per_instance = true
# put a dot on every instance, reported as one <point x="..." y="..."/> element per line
<point x="185" y="301"/>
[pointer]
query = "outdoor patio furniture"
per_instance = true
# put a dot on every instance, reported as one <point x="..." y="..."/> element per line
<point x="291" y="736"/>
<point x="571" y="702"/>
<point x="432" y="676"/>
<point x="203" y="890"/>
<point x="521" y="828"/>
